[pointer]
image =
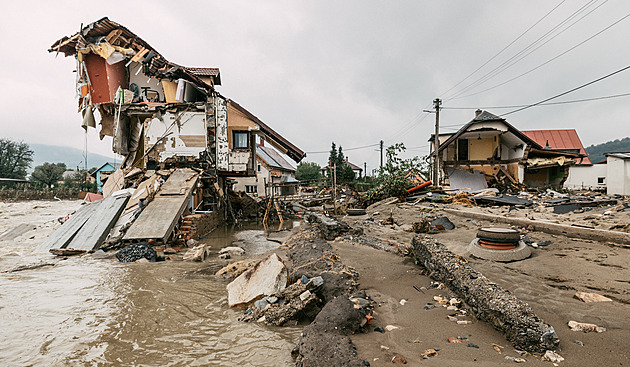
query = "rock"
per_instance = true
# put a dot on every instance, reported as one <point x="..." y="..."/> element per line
<point x="391" y="327"/>
<point x="267" y="277"/>
<point x="515" y="359"/>
<point x="197" y="253"/>
<point x="580" y="343"/>
<point x="407" y="227"/>
<point x="429" y="353"/>
<point x="317" y="281"/>
<point x="454" y="339"/>
<point x="233" y="270"/>
<point x="379" y="329"/>
<point x="585" y="327"/>
<point x="135" y="252"/>
<point x="261" y="303"/>
<point x="553" y="357"/>
<point x="399" y="359"/>
<point x="232" y="251"/>
<point x="591" y="297"/>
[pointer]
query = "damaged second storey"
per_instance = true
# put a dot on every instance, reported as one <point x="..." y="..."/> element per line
<point x="492" y="146"/>
<point x="160" y="114"/>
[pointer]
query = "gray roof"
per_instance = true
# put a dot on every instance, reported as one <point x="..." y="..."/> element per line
<point x="273" y="158"/>
<point x="618" y="155"/>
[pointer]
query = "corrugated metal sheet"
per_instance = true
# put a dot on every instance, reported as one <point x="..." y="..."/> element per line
<point x="273" y="158"/>
<point x="618" y="155"/>
<point x="559" y="139"/>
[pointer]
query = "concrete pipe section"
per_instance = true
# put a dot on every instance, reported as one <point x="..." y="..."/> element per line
<point x="499" y="244"/>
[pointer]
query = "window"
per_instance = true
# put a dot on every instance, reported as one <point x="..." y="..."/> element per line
<point x="251" y="189"/>
<point x="240" y="139"/>
<point x="462" y="150"/>
<point x="259" y="169"/>
<point x="601" y="180"/>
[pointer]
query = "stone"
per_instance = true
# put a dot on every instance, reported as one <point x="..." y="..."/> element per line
<point x="197" y="253"/>
<point x="261" y="303"/>
<point x="267" y="277"/>
<point x="585" y="327"/>
<point x="391" y="327"/>
<point x="515" y="359"/>
<point x="553" y="357"/>
<point x="317" y="281"/>
<point x="591" y="297"/>
<point x="232" y="251"/>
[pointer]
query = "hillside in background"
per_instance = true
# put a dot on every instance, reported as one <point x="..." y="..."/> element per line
<point x="596" y="152"/>
<point x="72" y="157"/>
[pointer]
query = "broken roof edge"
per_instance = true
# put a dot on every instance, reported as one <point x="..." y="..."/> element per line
<point x="487" y="118"/>
<point x="106" y="26"/>
<point x="293" y="152"/>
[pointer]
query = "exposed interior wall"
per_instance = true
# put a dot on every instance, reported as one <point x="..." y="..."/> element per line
<point x="104" y="78"/>
<point x="142" y="80"/>
<point x="187" y="138"/>
<point x="536" y="178"/>
<point x="481" y="149"/>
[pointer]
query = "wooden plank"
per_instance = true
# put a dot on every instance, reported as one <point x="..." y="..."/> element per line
<point x="178" y="182"/>
<point x="93" y="233"/>
<point x="159" y="218"/>
<point x="64" y="234"/>
<point x="114" y="182"/>
<point x="139" y="55"/>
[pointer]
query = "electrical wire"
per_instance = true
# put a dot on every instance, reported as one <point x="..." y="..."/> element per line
<point x="542" y="104"/>
<point x="346" y="150"/>
<point x="548" y="61"/>
<point x="569" y="91"/>
<point x="517" y="57"/>
<point x="502" y="50"/>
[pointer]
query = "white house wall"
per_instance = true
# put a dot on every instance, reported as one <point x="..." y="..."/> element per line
<point x="187" y="135"/>
<point x="618" y="176"/>
<point x="586" y="177"/>
<point x="142" y="80"/>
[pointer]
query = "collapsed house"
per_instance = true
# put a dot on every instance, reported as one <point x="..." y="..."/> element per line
<point x="488" y="148"/>
<point x="179" y="137"/>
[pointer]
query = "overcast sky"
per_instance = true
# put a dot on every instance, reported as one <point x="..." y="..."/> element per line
<point x="352" y="72"/>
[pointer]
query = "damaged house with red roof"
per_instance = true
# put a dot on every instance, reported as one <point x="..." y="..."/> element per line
<point x="489" y="150"/>
<point x="180" y="139"/>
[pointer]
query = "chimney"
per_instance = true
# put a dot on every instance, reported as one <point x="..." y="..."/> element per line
<point x="478" y="112"/>
<point x="346" y="159"/>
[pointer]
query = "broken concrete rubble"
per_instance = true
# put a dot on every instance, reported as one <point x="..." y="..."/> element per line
<point x="488" y="301"/>
<point x="267" y="277"/>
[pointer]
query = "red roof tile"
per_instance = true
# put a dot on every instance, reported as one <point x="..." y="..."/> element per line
<point x="559" y="139"/>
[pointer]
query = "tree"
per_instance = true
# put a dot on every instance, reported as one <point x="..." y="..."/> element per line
<point x="337" y="158"/>
<point x="15" y="159"/>
<point x="48" y="173"/>
<point x="392" y="180"/>
<point x="308" y="171"/>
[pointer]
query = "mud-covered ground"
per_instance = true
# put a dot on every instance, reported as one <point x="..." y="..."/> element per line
<point x="547" y="281"/>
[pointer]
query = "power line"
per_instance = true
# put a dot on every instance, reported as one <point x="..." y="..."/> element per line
<point x="346" y="150"/>
<point x="550" y="60"/>
<point x="504" y="48"/>
<point x="523" y="53"/>
<point x="541" y="104"/>
<point x="569" y="91"/>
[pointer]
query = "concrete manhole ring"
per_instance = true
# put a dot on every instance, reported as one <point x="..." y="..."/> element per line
<point x="522" y="251"/>
<point x="497" y="234"/>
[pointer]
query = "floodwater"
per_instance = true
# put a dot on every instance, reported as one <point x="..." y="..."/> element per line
<point x="84" y="312"/>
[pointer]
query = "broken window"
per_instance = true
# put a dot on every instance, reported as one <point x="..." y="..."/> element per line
<point x="240" y="139"/>
<point x="462" y="149"/>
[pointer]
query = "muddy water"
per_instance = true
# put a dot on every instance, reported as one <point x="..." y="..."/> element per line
<point x="85" y="311"/>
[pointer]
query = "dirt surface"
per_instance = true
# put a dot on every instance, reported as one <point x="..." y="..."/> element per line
<point x="547" y="281"/>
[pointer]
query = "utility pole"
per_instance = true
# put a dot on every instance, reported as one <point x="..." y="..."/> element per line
<point x="364" y="171"/>
<point x="381" y="154"/>
<point x="334" y="183"/>
<point x="436" y="142"/>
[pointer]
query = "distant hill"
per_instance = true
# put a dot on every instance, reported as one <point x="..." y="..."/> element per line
<point x="596" y="152"/>
<point x="72" y="157"/>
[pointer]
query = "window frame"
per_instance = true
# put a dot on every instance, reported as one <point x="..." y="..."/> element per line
<point x="234" y="139"/>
